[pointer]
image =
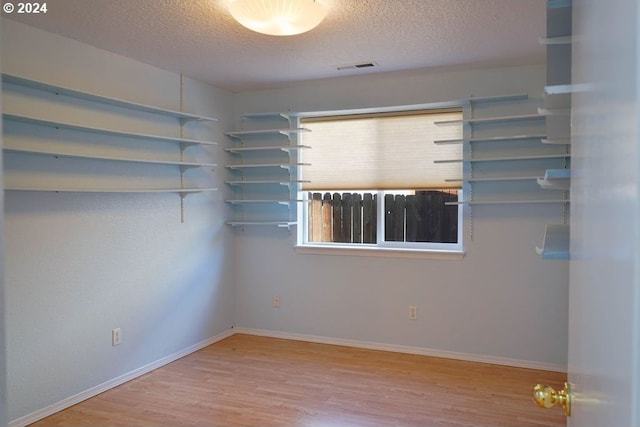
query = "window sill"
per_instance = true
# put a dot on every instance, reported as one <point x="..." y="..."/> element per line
<point x="380" y="252"/>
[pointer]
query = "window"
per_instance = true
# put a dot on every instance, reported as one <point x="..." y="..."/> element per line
<point x="378" y="181"/>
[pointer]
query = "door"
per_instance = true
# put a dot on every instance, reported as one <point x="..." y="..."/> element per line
<point x="604" y="309"/>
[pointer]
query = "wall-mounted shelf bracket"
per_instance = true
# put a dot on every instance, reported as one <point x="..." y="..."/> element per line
<point x="556" y="242"/>
<point x="279" y="224"/>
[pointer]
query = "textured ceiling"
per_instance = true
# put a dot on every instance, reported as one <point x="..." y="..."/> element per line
<point x="199" y="39"/>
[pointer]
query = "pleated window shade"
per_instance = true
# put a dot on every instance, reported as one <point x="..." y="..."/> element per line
<point x="382" y="152"/>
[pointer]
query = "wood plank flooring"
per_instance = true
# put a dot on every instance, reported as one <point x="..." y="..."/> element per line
<point x="256" y="381"/>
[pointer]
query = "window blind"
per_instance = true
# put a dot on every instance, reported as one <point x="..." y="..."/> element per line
<point x="383" y="152"/>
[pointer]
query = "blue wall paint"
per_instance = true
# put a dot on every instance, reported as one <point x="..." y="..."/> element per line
<point x="489" y="303"/>
<point x="79" y="265"/>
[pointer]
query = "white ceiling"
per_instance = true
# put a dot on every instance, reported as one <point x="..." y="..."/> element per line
<point x="199" y="39"/>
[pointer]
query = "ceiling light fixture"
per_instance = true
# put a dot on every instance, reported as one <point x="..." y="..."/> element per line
<point x="278" y="17"/>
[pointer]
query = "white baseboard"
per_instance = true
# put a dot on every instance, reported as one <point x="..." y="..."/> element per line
<point x="84" y="395"/>
<point x="494" y="360"/>
<point x="93" y="391"/>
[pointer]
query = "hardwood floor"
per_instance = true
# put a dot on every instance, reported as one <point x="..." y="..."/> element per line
<point x="256" y="381"/>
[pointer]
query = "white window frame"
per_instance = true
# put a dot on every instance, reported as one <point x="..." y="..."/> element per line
<point x="303" y="233"/>
<point x="382" y="248"/>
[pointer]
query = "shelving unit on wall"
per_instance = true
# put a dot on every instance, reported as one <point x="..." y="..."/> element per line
<point x="505" y="157"/>
<point x="504" y="154"/>
<point x="47" y="141"/>
<point x="88" y="96"/>
<point x="557" y="110"/>
<point x="265" y="170"/>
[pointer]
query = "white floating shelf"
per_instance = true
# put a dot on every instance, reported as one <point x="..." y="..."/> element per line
<point x="269" y="115"/>
<point x="495" y="179"/>
<point x="266" y="181"/>
<point x="88" y="96"/>
<point x="499" y="98"/>
<point x="503" y="119"/>
<point x="273" y="201"/>
<point x="557" y="141"/>
<point x="556" y="242"/>
<point x="554" y="111"/>
<point x="500" y="159"/>
<point x="558" y="89"/>
<point x="182" y="191"/>
<point x="568" y="88"/>
<point x="491" y="139"/>
<point x="556" y="179"/>
<point x="266" y="165"/>
<point x="267" y="148"/>
<point x="281" y="224"/>
<point x="58" y="125"/>
<point x="263" y="132"/>
<point x="110" y="158"/>
<point x="508" y="202"/>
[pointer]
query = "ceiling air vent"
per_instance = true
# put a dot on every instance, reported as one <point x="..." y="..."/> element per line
<point x="356" y="66"/>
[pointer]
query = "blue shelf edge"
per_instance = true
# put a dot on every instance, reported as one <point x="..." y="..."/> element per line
<point x="556" y="242"/>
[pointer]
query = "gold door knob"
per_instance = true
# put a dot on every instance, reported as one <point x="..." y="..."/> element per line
<point x="546" y="397"/>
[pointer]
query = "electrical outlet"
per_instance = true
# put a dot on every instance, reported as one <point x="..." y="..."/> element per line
<point x="413" y="312"/>
<point x="116" y="337"/>
<point x="276" y="301"/>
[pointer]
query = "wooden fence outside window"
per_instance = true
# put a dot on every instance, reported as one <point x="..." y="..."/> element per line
<point x="352" y="217"/>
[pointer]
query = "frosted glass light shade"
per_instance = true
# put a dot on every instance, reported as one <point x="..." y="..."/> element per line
<point x="278" y="17"/>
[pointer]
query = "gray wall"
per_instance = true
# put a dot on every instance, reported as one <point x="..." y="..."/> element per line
<point x="501" y="302"/>
<point x="79" y="265"/>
